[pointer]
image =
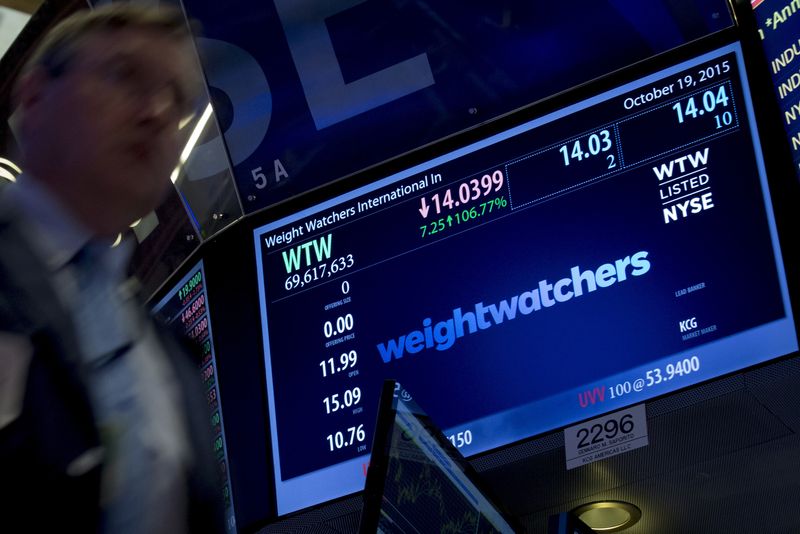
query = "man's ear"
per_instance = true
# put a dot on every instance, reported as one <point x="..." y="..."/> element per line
<point x="29" y="88"/>
<point x="27" y="93"/>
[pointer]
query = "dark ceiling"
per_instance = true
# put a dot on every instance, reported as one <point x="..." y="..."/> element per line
<point x="44" y="14"/>
<point x="26" y="6"/>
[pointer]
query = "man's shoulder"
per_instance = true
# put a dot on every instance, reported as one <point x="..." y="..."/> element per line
<point x="28" y="303"/>
<point x="22" y="273"/>
<point x="14" y="242"/>
<point x="15" y="358"/>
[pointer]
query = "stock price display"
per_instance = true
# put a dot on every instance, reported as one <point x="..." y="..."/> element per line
<point x="186" y="305"/>
<point x="576" y="263"/>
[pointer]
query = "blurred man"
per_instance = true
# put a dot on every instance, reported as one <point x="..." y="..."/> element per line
<point x="103" y="423"/>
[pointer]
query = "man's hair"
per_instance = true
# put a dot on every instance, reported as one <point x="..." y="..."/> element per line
<point x="59" y="46"/>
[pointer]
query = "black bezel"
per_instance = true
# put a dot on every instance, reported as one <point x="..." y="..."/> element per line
<point x="781" y="176"/>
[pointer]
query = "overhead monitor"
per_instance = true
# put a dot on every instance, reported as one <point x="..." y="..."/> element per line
<point x="308" y="91"/>
<point x="616" y="247"/>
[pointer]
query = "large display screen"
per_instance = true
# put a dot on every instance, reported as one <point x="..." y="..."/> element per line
<point x="186" y="307"/>
<point x="611" y="251"/>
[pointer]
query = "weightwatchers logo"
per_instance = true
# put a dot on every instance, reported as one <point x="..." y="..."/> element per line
<point x="444" y="334"/>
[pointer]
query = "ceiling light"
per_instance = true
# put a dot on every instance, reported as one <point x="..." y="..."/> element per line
<point x="193" y="138"/>
<point x="608" y="516"/>
<point x="4" y="173"/>
<point x="8" y="174"/>
<point x="198" y="129"/>
<point x="185" y="121"/>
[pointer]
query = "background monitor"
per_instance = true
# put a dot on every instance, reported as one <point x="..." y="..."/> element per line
<point x="417" y="481"/>
<point x="185" y="306"/>
<point x="219" y="289"/>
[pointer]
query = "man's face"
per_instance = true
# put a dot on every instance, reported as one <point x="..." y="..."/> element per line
<point x="104" y="134"/>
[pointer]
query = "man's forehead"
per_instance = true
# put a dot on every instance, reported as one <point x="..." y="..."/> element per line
<point x="143" y="44"/>
<point x="168" y="54"/>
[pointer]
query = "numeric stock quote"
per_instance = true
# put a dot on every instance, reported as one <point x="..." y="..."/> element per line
<point x="185" y="307"/>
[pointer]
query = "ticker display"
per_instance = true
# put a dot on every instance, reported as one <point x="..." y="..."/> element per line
<point x="186" y="307"/>
<point x="609" y="252"/>
<point x="779" y="28"/>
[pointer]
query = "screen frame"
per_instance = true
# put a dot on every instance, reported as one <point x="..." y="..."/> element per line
<point x="781" y="191"/>
<point x="215" y="256"/>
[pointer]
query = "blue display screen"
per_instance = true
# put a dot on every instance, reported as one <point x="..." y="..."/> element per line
<point x="608" y="252"/>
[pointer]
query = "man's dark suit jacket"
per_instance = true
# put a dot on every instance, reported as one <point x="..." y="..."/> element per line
<point x="50" y="456"/>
